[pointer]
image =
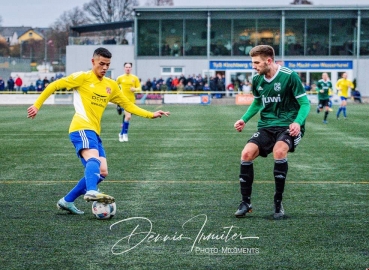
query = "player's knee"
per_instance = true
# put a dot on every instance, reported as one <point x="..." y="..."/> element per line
<point x="279" y="153"/>
<point x="247" y="155"/>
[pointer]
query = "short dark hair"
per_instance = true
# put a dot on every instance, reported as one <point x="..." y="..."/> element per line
<point x="102" y="52"/>
<point x="128" y="63"/>
<point x="262" y="50"/>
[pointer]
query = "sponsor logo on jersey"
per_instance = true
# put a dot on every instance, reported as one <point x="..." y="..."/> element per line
<point x="267" y="100"/>
<point x="277" y="86"/>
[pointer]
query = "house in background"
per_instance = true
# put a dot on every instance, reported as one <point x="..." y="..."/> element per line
<point x="17" y="35"/>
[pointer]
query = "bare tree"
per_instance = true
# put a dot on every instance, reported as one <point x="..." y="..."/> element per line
<point x="106" y="11"/>
<point x="159" y="3"/>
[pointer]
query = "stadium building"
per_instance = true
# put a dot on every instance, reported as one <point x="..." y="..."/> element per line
<point x="211" y="40"/>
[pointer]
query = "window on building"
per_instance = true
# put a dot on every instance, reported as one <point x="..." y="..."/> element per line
<point x="221" y="41"/>
<point x="148" y="38"/>
<point x="317" y="39"/>
<point x="294" y="36"/>
<point x="195" y="37"/>
<point x="342" y="37"/>
<point x="172" y="37"/>
<point x="245" y="36"/>
<point x="165" y="71"/>
<point x="364" y="38"/>
<point x="269" y="33"/>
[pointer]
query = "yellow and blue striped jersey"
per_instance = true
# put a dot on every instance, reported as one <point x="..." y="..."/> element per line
<point x="343" y="85"/>
<point x="91" y="96"/>
<point x="125" y="82"/>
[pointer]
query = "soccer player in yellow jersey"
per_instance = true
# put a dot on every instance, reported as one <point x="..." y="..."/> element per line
<point x="129" y="84"/>
<point x="92" y="93"/>
<point x="342" y="86"/>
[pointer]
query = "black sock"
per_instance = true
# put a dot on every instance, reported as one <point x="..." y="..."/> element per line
<point x="325" y="116"/>
<point x="280" y="174"/>
<point x="246" y="180"/>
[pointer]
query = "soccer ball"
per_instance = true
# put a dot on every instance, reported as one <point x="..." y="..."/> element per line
<point x="103" y="211"/>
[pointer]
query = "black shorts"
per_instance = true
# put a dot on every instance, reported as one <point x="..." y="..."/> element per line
<point x="266" y="138"/>
<point x="323" y="103"/>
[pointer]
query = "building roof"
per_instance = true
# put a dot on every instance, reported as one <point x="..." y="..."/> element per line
<point x="101" y="26"/>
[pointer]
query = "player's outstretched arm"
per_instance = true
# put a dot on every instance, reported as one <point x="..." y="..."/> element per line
<point x="160" y="114"/>
<point x="32" y="112"/>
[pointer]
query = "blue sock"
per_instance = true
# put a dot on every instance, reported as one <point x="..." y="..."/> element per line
<point x="77" y="191"/>
<point x="92" y="173"/>
<point x="344" y="111"/>
<point x="125" y="127"/>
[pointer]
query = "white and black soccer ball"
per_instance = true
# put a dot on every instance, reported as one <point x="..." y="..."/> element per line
<point x="104" y="211"/>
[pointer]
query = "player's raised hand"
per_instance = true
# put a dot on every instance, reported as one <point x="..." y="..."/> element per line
<point x="160" y="114"/>
<point x="239" y="125"/>
<point x="32" y="112"/>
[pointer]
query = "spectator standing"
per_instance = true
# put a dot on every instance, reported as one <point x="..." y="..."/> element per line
<point x="39" y="85"/>
<point x="18" y="83"/>
<point x="2" y="84"/>
<point x="10" y="84"/>
<point x="45" y="82"/>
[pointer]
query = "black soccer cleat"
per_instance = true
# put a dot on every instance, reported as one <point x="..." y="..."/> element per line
<point x="278" y="210"/>
<point x="243" y="209"/>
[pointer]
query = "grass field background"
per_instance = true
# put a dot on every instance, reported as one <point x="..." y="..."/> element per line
<point x="180" y="176"/>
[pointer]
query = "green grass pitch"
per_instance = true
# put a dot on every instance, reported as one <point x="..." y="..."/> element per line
<point x="176" y="186"/>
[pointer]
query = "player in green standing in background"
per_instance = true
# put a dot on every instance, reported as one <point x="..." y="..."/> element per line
<point x="322" y="87"/>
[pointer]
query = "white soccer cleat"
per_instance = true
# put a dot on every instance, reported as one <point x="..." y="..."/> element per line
<point x="121" y="139"/>
<point x="125" y="137"/>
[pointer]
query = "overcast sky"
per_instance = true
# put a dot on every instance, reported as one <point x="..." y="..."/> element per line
<point x="43" y="13"/>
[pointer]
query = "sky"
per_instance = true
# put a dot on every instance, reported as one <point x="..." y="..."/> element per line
<point x="43" y="13"/>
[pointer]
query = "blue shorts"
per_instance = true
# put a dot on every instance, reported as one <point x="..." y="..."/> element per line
<point x="343" y="98"/>
<point x="86" y="139"/>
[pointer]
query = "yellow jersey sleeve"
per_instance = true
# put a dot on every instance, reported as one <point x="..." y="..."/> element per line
<point x="119" y="98"/>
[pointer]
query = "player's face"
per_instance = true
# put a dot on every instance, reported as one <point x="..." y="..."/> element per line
<point x="344" y="75"/>
<point x="100" y="65"/>
<point x="325" y="76"/>
<point x="261" y="65"/>
<point x="127" y="69"/>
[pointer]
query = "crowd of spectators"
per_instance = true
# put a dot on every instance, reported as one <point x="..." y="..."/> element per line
<point x="16" y="84"/>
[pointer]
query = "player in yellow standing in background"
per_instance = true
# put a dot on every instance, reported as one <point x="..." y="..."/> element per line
<point x="342" y="86"/>
<point x="129" y="84"/>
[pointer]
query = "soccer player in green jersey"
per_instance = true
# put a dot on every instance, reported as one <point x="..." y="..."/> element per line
<point x="92" y="93"/>
<point x="322" y="87"/>
<point x="280" y="98"/>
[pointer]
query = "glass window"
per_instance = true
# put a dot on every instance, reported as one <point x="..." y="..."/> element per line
<point x="148" y="38"/>
<point x="172" y="37"/>
<point x="245" y="36"/>
<point x="269" y="33"/>
<point x="221" y="37"/>
<point x="317" y="36"/>
<point x="178" y="70"/>
<point x="196" y="37"/>
<point x="294" y="37"/>
<point x="342" y="38"/>
<point x="364" y="38"/>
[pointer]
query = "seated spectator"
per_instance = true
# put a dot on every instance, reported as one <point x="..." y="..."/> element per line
<point x="180" y="86"/>
<point x="24" y="89"/>
<point x="31" y="87"/>
<point x="356" y="96"/>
